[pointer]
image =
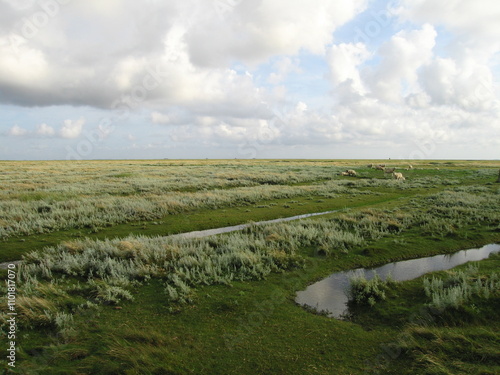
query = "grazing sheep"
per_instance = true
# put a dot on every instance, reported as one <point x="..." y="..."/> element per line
<point x="379" y="167"/>
<point x="349" y="172"/>
<point x="369" y="166"/>
<point x="389" y="170"/>
<point x="398" y="176"/>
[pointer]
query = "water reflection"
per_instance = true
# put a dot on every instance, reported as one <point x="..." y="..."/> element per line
<point x="329" y="294"/>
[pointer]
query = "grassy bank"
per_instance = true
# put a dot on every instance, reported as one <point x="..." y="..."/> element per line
<point x="445" y="323"/>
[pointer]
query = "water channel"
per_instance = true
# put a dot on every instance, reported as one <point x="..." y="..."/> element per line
<point x="234" y="228"/>
<point x="329" y="294"/>
<point x="211" y="232"/>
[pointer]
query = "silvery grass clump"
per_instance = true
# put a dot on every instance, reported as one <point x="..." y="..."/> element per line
<point x="45" y="215"/>
<point x="111" y="267"/>
<point x="362" y="291"/>
<point x="63" y="322"/>
<point x="372" y="224"/>
<point x="459" y="287"/>
<point x="103" y="272"/>
<point x="181" y="263"/>
<point x="443" y="213"/>
<point x="472" y="189"/>
<point x="325" y="235"/>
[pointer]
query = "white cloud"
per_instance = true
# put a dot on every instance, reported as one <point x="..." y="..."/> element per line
<point x="468" y="85"/>
<point x="187" y="41"/>
<point x="21" y="64"/>
<point x="402" y="56"/>
<point x="344" y="60"/>
<point x="45" y="130"/>
<point x="470" y="19"/>
<point x="473" y="26"/>
<point x="160" y="118"/>
<point x="254" y="31"/>
<point x="72" y="129"/>
<point x="216" y="76"/>
<point x="282" y="68"/>
<point x="17" y="131"/>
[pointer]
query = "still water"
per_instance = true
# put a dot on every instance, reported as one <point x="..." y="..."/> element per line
<point x="330" y="294"/>
<point x="234" y="228"/>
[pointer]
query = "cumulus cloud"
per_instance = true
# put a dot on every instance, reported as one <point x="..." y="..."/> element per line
<point x="69" y="130"/>
<point x="45" y="130"/>
<point x="254" y="31"/>
<point x="263" y="72"/>
<point x="472" y="20"/>
<point x="17" y="131"/>
<point x="344" y="60"/>
<point x="402" y="56"/>
<point x="449" y="82"/>
<point x="72" y="129"/>
<point x="190" y="43"/>
<point x="282" y="68"/>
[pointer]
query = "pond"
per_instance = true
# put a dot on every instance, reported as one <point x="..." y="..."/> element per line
<point x="330" y="294"/>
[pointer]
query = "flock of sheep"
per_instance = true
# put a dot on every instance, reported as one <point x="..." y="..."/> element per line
<point x="381" y="167"/>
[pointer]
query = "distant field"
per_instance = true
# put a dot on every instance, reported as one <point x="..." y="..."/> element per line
<point x="42" y="197"/>
<point x="103" y="291"/>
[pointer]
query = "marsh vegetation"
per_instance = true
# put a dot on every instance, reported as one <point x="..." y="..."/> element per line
<point x="200" y="291"/>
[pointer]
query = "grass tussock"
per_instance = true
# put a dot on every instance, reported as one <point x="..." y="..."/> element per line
<point x="460" y="287"/>
<point x="368" y="292"/>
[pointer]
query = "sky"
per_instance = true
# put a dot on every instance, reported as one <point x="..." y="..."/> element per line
<point x="196" y="79"/>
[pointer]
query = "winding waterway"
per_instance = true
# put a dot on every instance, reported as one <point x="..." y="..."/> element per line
<point x="329" y="294"/>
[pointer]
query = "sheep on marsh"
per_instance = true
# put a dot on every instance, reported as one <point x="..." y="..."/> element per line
<point x="349" y="172"/>
<point x="389" y="170"/>
<point x="398" y="176"/>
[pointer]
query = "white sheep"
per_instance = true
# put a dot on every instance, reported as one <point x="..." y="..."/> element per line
<point x="398" y="176"/>
<point x="349" y="172"/>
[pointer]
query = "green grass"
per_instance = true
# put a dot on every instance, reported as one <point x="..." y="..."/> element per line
<point x="436" y="341"/>
<point x="246" y="327"/>
<point x="254" y="326"/>
<point x="201" y="219"/>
